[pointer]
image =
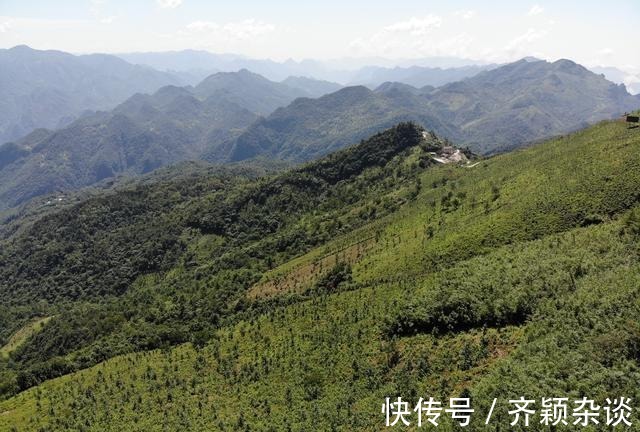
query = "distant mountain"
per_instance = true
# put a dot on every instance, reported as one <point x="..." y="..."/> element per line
<point x="219" y="121"/>
<point x="416" y="76"/>
<point x="309" y="128"/>
<point x="195" y="61"/>
<point x="313" y="87"/>
<point x="391" y="87"/>
<point x="258" y="94"/>
<point x="618" y="76"/>
<point x="493" y="111"/>
<point x="144" y="133"/>
<point x="141" y="134"/>
<point x="51" y="88"/>
<point x="526" y="101"/>
<point x="192" y="64"/>
<point x="183" y="60"/>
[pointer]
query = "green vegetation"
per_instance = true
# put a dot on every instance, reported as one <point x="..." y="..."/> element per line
<point x="493" y="111"/>
<point x="162" y="263"/>
<point x="301" y="300"/>
<point x="218" y="121"/>
<point x="19" y="337"/>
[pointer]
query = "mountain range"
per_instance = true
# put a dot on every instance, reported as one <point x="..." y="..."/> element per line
<point x="503" y="108"/>
<point x="230" y="117"/>
<point x="415" y="76"/>
<point x="50" y="89"/>
<point x="192" y="64"/>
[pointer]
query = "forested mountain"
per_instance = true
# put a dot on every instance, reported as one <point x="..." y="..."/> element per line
<point x="503" y="108"/>
<point x="96" y="250"/>
<point x="217" y="120"/>
<point x="307" y="297"/>
<point x="309" y="128"/>
<point x="256" y="93"/>
<point x="49" y="89"/>
<point x="528" y="100"/>
<point x="142" y="134"/>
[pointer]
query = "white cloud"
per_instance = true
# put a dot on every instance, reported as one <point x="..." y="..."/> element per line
<point x="605" y="52"/>
<point x="233" y="31"/>
<point x="415" y="26"/>
<point x="200" y="26"/>
<point x="527" y="38"/>
<point x="5" y="26"/>
<point x="108" y="20"/>
<point x="409" y="39"/>
<point x="169" y="4"/>
<point x="465" y="14"/>
<point x="535" y="10"/>
<point x="403" y="38"/>
<point x="632" y="82"/>
<point x="247" y="29"/>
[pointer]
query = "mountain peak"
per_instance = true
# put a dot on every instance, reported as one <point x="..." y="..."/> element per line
<point x="352" y="91"/>
<point x="393" y="86"/>
<point x="569" y="66"/>
<point x="374" y="151"/>
<point x="247" y="72"/>
<point x="21" y="48"/>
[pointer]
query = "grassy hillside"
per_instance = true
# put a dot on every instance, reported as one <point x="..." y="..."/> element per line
<point x="515" y="277"/>
<point x="19" y="337"/>
<point x="100" y="265"/>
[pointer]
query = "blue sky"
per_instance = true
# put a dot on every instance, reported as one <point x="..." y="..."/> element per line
<point x="590" y="32"/>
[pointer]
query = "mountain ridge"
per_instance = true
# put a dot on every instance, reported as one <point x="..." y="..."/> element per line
<point x="496" y="110"/>
<point x="51" y="88"/>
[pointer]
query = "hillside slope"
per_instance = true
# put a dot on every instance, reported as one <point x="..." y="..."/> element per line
<point x="310" y="128"/>
<point x="107" y="242"/>
<point x="311" y="296"/>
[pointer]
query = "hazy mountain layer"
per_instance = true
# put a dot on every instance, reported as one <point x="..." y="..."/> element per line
<point x="503" y="108"/>
<point x="49" y="89"/>
<point x="500" y="109"/>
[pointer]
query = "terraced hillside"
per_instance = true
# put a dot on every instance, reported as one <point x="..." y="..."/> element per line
<point x="306" y="299"/>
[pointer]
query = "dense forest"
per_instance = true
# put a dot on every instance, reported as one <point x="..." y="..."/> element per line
<point x="100" y="266"/>
<point x="300" y="300"/>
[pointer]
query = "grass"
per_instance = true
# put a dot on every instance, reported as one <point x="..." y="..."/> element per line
<point x="24" y="333"/>
<point x="324" y="364"/>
